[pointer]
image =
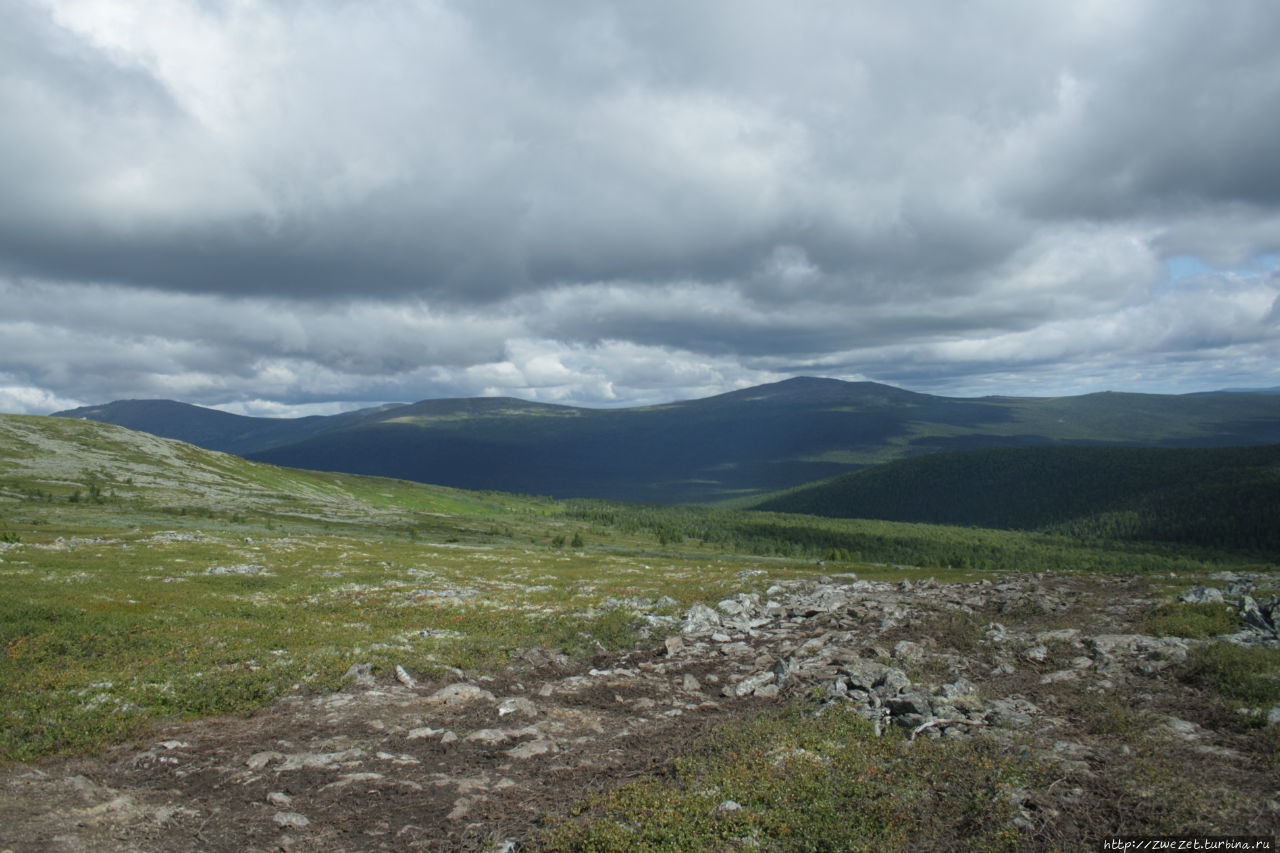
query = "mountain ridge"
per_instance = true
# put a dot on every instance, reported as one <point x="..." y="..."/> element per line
<point x="727" y="447"/>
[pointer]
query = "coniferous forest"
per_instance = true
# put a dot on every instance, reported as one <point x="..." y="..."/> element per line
<point x="1210" y="498"/>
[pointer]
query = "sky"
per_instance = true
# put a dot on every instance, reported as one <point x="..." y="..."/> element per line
<point x="285" y="207"/>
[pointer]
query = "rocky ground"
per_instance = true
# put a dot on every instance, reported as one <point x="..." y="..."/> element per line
<point x="1055" y="667"/>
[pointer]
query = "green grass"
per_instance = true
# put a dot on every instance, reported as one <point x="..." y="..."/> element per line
<point x="99" y="637"/>
<point x="806" y="782"/>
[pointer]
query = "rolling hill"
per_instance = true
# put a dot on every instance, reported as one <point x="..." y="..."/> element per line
<point x="733" y="446"/>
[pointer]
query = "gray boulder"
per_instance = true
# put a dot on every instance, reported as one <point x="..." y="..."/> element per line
<point x="1202" y="595"/>
<point x="1256" y="617"/>
<point x="910" y="704"/>
<point x="700" y="620"/>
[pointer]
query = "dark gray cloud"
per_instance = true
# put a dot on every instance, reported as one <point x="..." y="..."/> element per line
<point x="267" y="203"/>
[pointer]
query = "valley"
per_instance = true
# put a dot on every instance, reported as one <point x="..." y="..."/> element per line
<point x="733" y="448"/>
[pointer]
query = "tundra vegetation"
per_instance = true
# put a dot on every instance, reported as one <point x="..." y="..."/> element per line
<point x="145" y="581"/>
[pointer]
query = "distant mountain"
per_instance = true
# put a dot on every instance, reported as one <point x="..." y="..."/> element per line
<point x="212" y="429"/>
<point x="731" y="446"/>
<point x="1217" y="498"/>
<point x="1273" y="390"/>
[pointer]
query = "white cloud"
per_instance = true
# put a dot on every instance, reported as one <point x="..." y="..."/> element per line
<point x="30" y="400"/>
<point x="255" y="204"/>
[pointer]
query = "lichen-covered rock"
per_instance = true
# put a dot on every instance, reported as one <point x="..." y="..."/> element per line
<point x="1202" y="595"/>
<point x="459" y="694"/>
<point x="1258" y="618"/>
<point x="700" y="620"/>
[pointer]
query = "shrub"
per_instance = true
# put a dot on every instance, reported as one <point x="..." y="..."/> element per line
<point x="1198" y="621"/>
<point x="804" y="782"/>
<point x="1247" y="675"/>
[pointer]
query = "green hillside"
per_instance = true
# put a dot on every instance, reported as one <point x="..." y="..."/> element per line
<point x="726" y="448"/>
<point x="1218" y="498"/>
<point x="144" y="579"/>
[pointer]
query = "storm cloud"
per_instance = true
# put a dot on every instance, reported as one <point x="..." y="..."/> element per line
<point x="286" y="206"/>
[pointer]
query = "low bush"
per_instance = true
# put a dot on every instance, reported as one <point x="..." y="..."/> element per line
<point x="794" y="781"/>
<point x="1197" y="621"/>
<point x="1250" y="676"/>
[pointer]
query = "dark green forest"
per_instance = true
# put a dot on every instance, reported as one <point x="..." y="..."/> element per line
<point x="1222" y="498"/>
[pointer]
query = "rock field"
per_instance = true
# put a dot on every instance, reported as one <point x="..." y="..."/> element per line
<point x="396" y="761"/>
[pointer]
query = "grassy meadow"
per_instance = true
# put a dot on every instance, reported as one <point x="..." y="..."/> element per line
<point x="142" y="579"/>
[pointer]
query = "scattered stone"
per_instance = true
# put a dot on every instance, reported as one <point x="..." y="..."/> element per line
<point x="403" y="676"/>
<point x="910" y="704"/>
<point x="830" y="642"/>
<point x="699" y="620"/>
<point x="517" y="705"/>
<point x="243" y="569"/>
<point x="353" y="779"/>
<point x="361" y="675"/>
<point x="1202" y="595"/>
<point x="459" y="694"/>
<point x="1256" y="617"/>
<point x="957" y="688"/>
<point x="728" y="807"/>
<point x="1157" y="652"/>
<point x="423" y="732"/>
<point x="320" y="760"/>
<point x="730" y="606"/>
<point x="290" y="820"/>
<point x="1062" y="635"/>
<point x="750" y="684"/>
<point x="1011" y="713"/>
<point x="907" y="650"/>
<point x="1060" y="676"/>
<point x="1038" y="654"/>
<point x="259" y="760"/>
<point x="532" y="748"/>
<point x="535" y="657"/>
<point x="164" y="814"/>
<point x="487" y="737"/>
